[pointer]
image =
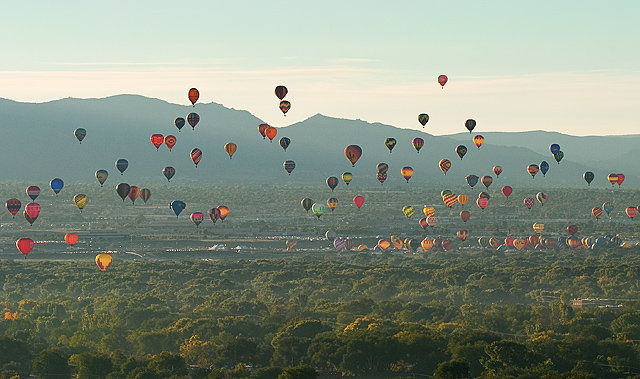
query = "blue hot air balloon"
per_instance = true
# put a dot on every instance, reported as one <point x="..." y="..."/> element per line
<point x="177" y="206"/>
<point x="554" y="148"/>
<point x="121" y="165"/>
<point x="56" y="185"/>
<point x="544" y="167"/>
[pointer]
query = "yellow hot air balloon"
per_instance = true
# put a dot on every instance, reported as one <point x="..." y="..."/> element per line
<point x="408" y="211"/>
<point x="384" y="244"/>
<point x="538" y="227"/>
<point x="80" y="200"/>
<point x="397" y="243"/>
<point x="428" y="211"/>
<point x="520" y="243"/>
<point x="103" y="261"/>
<point x="426" y="244"/>
<point x="361" y="247"/>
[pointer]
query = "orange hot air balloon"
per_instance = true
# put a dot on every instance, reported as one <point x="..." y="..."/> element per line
<point x="353" y="153"/>
<point x="462" y="234"/>
<point x="426" y="244"/>
<point x="71" y="238"/>
<point x="464" y="215"/>
<point x="103" y="261"/>
<point x="157" y="140"/>
<point x="442" y="80"/>
<point x="533" y="170"/>
<point x="450" y="199"/>
<point x="407" y="173"/>
<point x="497" y="170"/>
<point x="194" y="94"/>
<point x="478" y="140"/>
<point x="271" y="132"/>
<point x="170" y="141"/>
<point x="445" y="165"/>
<point x="230" y="148"/>
<point x="613" y="178"/>
<point x="384" y="244"/>
<point x="25" y="245"/>
<point x="462" y="199"/>
<point x="134" y="192"/>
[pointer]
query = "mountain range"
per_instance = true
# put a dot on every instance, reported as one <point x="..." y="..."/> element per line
<point x="39" y="144"/>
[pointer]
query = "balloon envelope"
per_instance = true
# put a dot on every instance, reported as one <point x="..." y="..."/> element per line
<point x="197" y="218"/>
<point x="196" y="156"/>
<point x="80" y="133"/>
<point x="25" y="245"/>
<point x="13" y="206"/>
<point x="497" y="170"/>
<point x="417" y="144"/>
<point x="281" y="92"/>
<point x="478" y="140"/>
<point x="168" y="172"/>
<point x="71" y="238"/>
<point x="442" y="80"/>
<point x="332" y="182"/>
<point x="390" y="143"/>
<point x="179" y="123"/>
<point x="56" y="185"/>
<point x="80" y="200"/>
<point x="285" y="106"/>
<point x="507" y="191"/>
<point x="33" y="192"/>
<point x="123" y="190"/>
<point x="193" y="95"/>
<point x="470" y="124"/>
<point x="285" y="142"/>
<point x="157" y="140"/>
<point x="423" y="118"/>
<point x="588" y="177"/>
<point x="193" y="119"/>
<point x="353" y="153"/>
<point x="103" y="261"/>
<point x="145" y="194"/>
<point x="102" y="176"/>
<point x="358" y="201"/>
<point x="177" y="206"/>
<point x="347" y="177"/>
<point x="230" y="148"/>
<point x="445" y="165"/>
<point x="121" y="165"/>
<point x="307" y="203"/>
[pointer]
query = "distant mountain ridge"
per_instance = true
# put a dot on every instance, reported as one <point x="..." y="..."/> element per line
<point x="39" y="145"/>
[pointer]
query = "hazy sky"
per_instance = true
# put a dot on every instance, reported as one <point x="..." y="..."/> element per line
<point x="566" y="66"/>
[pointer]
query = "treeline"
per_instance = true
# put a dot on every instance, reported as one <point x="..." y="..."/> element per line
<point x="485" y="314"/>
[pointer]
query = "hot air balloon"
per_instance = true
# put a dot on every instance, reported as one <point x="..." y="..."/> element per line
<point x="289" y="166"/>
<point x="620" y="179"/>
<point x="554" y="148"/>
<point x="179" y="123"/>
<point x="56" y="185"/>
<point x="423" y="118"/>
<point x="445" y="192"/>
<point x="32" y="210"/>
<point x="470" y="124"/>
<point x="71" y="238"/>
<point x="428" y="211"/>
<point x="544" y="167"/>
<point x="390" y="143"/>
<point x="80" y="133"/>
<point x="381" y="177"/>
<point x="145" y="194"/>
<point x="332" y="182"/>
<point x="631" y="211"/>
<point x="607" y="207"/>
<point x="318" y="209"/>
<point x="103" y="261"/>
<point x="520" y="243"/>
<point x="507" y="191"/>
<point x="168" y="172"/>
<point x="445" y="165"/>
<point x="486" y="180"/>
<point x="307" y="203"/>
<point x="214" y="214"/>
<point x="442" y="80"/>
<point x="224" y="212"/>
<point x="177" y="206"/>
<point x="482" y="202"/>
<point x="382" y="168"/>
<point x="597" y="212"/>
<point x="407" y="173"/>
<point x="450" y="199"/>
<point x="358" y="201"/>
<point x="464" y="215"/>
<point x="484" y="194"/>
<point x="542" y="197"/>
<point x="281" y="92"/>
<point x="197" y="218"/>
<point x="528" y="202"/>
<point x="261" y="129"/>
<point x="613" y="178"/>
<point x="194" y="94"/>
<point x="230" y="148"/>
<point x="80" y="201"/>
<point x="284" y="107"/>
<point x="461" y="150"/>
<point x="426" y="244"/>
<point x="123" y="190"/>
<point x="157" y="140"/>
<point x="423" y="223"/>
<point x="408" y="211"/>
<point x="462" y="199"/>
<point x="170" y="141"/>
<point x="285" y="142"/>
<point x="478" y="140"/>
<point x="558" y="157"/>
<point x="196" y="156"/>
<point x="13" y="206"/>
<point x="332" y="203"/>
<point x="353" y="153"/>
<point x="271" y="133"/>
<point x="193" y="119"/>
<point x="533" y="170"/>
<point x="102" y="176"/>
<point x="29" y="219"/>
<point x="497" y="170"/>
<point x="134" y="192"/>
<point x="25" y="245"/>
<point x="432" y="221"/>
<point x="462" y="234"/>
<point x="572" y="229"/>
<point x="347" y="177"/>
<point x="588" y="177"/>
<point x="417" y="144"/>
<point x="472" y="180"/>
<point x="384" y="244"/>
<point x="330" y="235"/>
<point x="33" y="192"/>
<point x="121" y="165"/>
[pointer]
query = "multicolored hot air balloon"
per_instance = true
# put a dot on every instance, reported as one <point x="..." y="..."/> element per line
<point x="102" y="176"/>
<point x="417" y="144"/>
<point x="390" y="143"/>
<point x="588" y="177"/>
<point x="271" y="133"/>
<point x="261" y="129"/>
<point x="56" y="185"/>
<point x="353" y="153"/>
<point x="607" y="207"/>
<point x="450" y="199"/>
<point x="157" y="140"/>
<point x="597" y="212"/>
<point x="631" y="211"/>
<point x="170" y="141"/>
<point x="478" y="140"/>
<point x="281" y="92"/>
<point x="179" y="123"/>
<point x="462" y="234"/>
<point x="538" y="227"/>
<point x="470" y="124"/>
<point x="482" y="202"/>
<point x="121" y="165"/>
<point x="193" y="119"/>
<point x="332" y="182"/>
<point x="428" y="211"/>
<point x="445" y="165"/>
<point x="284" y="107"/>
<point x="80" y="133"/>
<point x="318" y="209"/>
<point x="423" y="118"/>
<point x="25" y="245"/>
<point x="196" y="156"/>
<point x="533" y="170"/>
<point x="558" y="157"/>
<point x="285" y="142"/>
<point x="472" y="180"/>
<point x="408" y="211"/>
<point x="194" y="94"/>
<point x="442" y="80"/>
<point x="80" y="201"/>
<point x="332" y="203"/>
<point x="13" y="206"/>
<point x="497" y="170"/>
<point x="407" y="173"/>
<point x="123" y="190"/>
<point x="542" y="197"/>
<point x="347" y="177"/>
<point x="554" y="148"/>
<point x="224" y="212"/>
<point x="230" y="148"/>
<point x="358" y="201"/>
<point x="214" y="214"/>
<point x="197" y="218"/>
<point x="487" y="180"/>
<point x="168" y="172"/>
<point x="461" y="150"/>
<point x="103" y="261"/>
<point x="33" y="192"/>
<point x="307" y="203"/>
<point x="528" y="202"/>
<point x="289" y="166"/>
<point x="145" y="194"/>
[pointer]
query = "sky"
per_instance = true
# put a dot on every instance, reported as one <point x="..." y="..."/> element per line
<point x="566" y="66"/>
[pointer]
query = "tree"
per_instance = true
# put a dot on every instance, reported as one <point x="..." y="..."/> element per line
<point x="453" y="369"/>
<point x="91" y="365"/>
<point x="298" y="372"/>
<point x="168" y="364"/>
<point x="52" y="364"/>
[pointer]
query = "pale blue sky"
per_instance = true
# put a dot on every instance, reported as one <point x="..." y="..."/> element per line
<point x="567" y="66"/>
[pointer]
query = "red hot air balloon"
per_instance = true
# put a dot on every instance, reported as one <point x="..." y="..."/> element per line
<point x="33" y="192"/>
<point x="417" y="144"/>
<point x="482" y="202"/>
<point x="528" y="202"/>
<point x="572" y="229"/>
<point x="507" y="191"/>
<point x="32" y="210"/>
<point x="197" y="218"/>
<point x="442" y="80"/>
<point x="620" y="179"/>
<point x="631" y="211"/>
<point x="194" y="94"/>
<point x="25" y="245"/>
<point x="358" y="201"/>
<point x="170" y="141"/>
<point x="353" y="153"/>
<point x="281" y="92"/>
<point x="157" y="140"/>
<point x="71" y="238"/>
<point x="134" y="192"/>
